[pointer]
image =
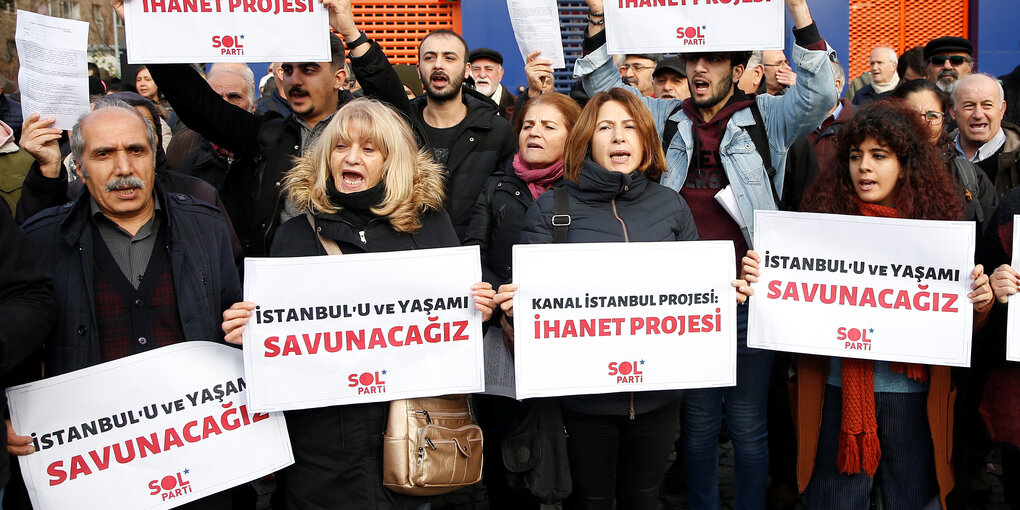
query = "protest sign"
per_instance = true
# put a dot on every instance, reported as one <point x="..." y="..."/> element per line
<point x="371" y="327"/>
<point x="53" y="77"/>
<point x="185" y="31"/>
<point x="154" y="430"/>
<point x="863" y="287"/>
<point x="536" y="26"/>
<point x="1012" y="318"/>
<point x="682" y="26"/>
<point x="612" y="317"/>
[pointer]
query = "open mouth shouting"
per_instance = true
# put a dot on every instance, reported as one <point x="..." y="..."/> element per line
<point x="125" y="188"/>
<point x="439" y="80"/>
<point x="352" y="180"/>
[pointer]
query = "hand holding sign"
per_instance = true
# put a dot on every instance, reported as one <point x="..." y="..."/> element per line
<point x="234" y="320"/>
<point x="18" y="445"/>
<point x="981" y="296"/>
<point x="540" y="74"/>
<point x="1004" y="282"/>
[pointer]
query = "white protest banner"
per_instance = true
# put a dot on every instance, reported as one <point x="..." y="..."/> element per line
<point x="537" y="27"/>
<point x="611" y="317"/>
<point x="362" y="328"/>
<point x="1013" y="312"/>
<point x="53" y="76"/>
<point x="681" y="26"/>
<point x="185" y="31"/>
<point x="153" y="430"/>
<point x="863" y="287"/>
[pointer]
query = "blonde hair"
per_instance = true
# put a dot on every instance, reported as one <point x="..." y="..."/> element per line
<point x="412" y="178"/>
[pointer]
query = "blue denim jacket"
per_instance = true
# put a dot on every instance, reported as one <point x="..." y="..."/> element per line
<point x="787" y="117"/>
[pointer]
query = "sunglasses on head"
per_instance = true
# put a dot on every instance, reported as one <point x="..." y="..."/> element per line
<point x="955" y="60"/>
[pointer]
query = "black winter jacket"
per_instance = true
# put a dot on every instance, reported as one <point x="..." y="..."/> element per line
<point x="484" y="142"/>
<point x="27" y="307"/>
<point x="496" y="222"/>
<point x="205" y="278"/>
<point x="647" y="212"/>
<point x="338" y="449"/>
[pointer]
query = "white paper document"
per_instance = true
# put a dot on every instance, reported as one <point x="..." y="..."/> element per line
<point x="151" y="431"/>
<point x="1013" y="317"/>
<point x="53" y="77"/>
<point x="728" y="201"/>
<point x="537" y="27"/>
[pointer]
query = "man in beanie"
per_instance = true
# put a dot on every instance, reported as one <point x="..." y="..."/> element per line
<point x="669" y="81"/>
<point x="486" y="68"/>
<point x="947" y="59"/>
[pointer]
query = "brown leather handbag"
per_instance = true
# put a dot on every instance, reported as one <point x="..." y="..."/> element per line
<point x="432" y="446"/>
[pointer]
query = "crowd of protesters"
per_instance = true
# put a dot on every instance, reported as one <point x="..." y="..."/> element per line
<point x="128" y="233"/>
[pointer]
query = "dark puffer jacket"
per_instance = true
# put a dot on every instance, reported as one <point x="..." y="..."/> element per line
<point x="496" y="222"/>
<point x="483" y="144"/>
<point x="647" y="212"/>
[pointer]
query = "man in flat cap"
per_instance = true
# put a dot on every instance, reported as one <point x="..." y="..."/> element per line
<point x="947" y="59"/>
<point x="486" y="67"/>
<point x="669" y="80"/>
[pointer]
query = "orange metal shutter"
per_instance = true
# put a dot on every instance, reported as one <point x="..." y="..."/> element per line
<point x="900" y="25"/>
<point x="398" y="25"/>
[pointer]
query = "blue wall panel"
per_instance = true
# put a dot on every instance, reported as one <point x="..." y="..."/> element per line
<point x="995" y="34"/>
<point x="486" y="23"/>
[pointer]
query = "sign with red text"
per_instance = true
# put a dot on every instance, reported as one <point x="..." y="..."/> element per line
<point x="863" y="287"/>
<point x="185" y="31"/>
<point x="613" y="317"/>
<point x="149" y="431"/>
<point x="370" y="327"/>
<point x="1013" y="313"/>
<point x="683" y="26"/>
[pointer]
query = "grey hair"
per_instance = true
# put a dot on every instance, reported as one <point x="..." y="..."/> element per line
<point x="755" y="60"/>
<point x="242" y="70"/>
<point x="974" y="77"/>
<point x="891" y="53"/>
<point x="837" y="72"/>
<point x="78" y="139"/>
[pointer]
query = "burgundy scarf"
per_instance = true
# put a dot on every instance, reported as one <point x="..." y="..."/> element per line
<point x="539" y="180"/>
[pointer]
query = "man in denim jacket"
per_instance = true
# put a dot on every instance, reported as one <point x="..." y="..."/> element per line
<point x="713" y="148"/>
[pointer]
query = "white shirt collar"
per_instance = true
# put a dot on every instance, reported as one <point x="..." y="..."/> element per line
<point x="985" y="151"/>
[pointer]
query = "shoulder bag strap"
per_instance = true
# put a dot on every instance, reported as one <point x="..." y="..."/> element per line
<point x="328" y="244"/>
<point x="561" y="215"/>
<point x="761" y="142"/>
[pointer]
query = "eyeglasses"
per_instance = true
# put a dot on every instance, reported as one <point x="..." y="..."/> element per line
<point x="933" y="117"/>
<point x="636" y="67"/>
<point x="955" y="60"/>
<point x="781" y="62"/>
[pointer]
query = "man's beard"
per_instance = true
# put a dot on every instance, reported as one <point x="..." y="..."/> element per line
<point x="719" y="92"/>
<point x="453" y="83"/>
<point x="487" y="89"/>
<point x="946" y="80"/>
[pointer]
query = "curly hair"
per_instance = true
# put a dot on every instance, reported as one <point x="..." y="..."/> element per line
<point x="926" y="190"/>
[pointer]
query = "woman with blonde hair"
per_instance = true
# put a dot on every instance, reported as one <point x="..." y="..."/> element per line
<point x="366" y="186"/>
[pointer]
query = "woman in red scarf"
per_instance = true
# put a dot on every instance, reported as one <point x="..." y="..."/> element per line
<point x="498" y="215"/>
<point x="861" y="422"/>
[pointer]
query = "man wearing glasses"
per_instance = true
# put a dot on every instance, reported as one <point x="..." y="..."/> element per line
<point x="637" y="72"/>
<point x="778" y="73"/>
<point x="948" y="59"/>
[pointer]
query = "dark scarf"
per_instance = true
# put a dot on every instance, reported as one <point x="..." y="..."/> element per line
<point x="355" y="208"/>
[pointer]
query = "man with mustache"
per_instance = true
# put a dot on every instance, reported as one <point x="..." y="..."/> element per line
<point x="459" y="126"/>
<point x="134" y="267"/>
<point x="948" y="59"/>
<point x="271" y="141"/>
<point x="486" y="67"/>
<point x="723" y="138"/>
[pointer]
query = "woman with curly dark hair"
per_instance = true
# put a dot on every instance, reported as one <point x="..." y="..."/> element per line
<point x="861" y="421"/>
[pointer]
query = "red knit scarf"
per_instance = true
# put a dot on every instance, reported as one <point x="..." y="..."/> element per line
<point x="858" y="435"/>
<point x="539" y="180"/>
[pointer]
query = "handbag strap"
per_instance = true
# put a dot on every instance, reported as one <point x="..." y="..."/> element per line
<point x="328" y="244"/>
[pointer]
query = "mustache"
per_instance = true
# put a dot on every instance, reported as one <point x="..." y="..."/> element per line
<point x="297" y="89"/>
<point x="125" y="183"/>
<point x="949" y="72"/>
<point x="439" y="74"/>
